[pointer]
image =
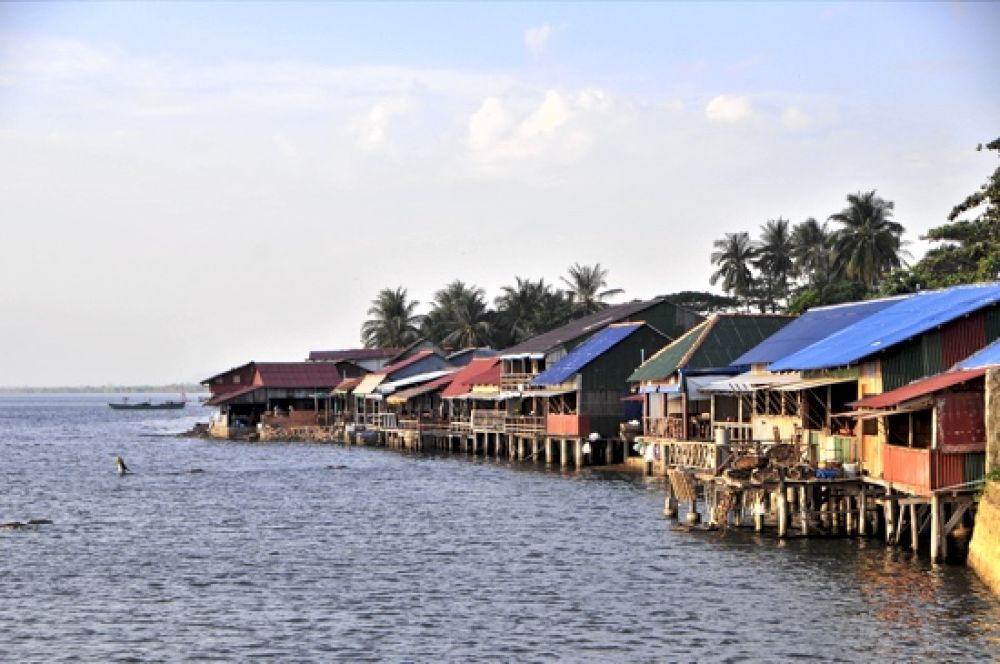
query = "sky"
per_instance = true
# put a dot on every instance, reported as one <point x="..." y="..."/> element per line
<point x="185" y="187"/>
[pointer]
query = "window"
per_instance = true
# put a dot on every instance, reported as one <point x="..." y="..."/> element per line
<point x="236" y="379"/>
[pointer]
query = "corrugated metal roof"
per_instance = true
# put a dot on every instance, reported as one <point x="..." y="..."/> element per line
<point x="352" y="354"/>
<point x="405" y="395"/>
<point x="582" y="327"/>
<point x="586" y="353"/>
<point x="295" y="375"/>
<point x="402" y="364"/>
<point x="463" y="379"/>
<point x="810" y="327"/>
<point x="348" y="384"/>
<point x="712" y="344"/>
<point x="368" y="384"/>
<point x="901" y="321"/>
<point x="919" y="388"/>
<point x="220" y="399"/>
<point x="988" y="356"/>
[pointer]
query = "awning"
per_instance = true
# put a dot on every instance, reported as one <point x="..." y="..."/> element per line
<point x="368" y="384"/>
<point x="634" y="397"/>
<point x="749" y="381"/>
<point x="390" y="387"/>
<point x="695" y="386"/>
<point x="810" y="383"/>
<point x="919" y="388"/>
<point x="346" y="385"/>
<point x="524" y="356"/>
<point x="402" y="396"/>
<point x="527" y="394"/>
<point x="220" y="399"/>
<point x="662" y="388"/>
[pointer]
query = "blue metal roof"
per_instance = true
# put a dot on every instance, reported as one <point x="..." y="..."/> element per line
<point x="984" y="358"/>
<point x="585" y="353"/>
<point x="901" y="321"/>
<point x="811" y="327"/>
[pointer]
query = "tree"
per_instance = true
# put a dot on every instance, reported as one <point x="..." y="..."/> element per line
<point x="969" y="248"/>
<point x="812" y="246"/>
<point x="869" y="243"/>
<point x="459" y="317"/>
<point x="703" y="302"/>
<point x="393" y="323"/>
<point x="518" y="308"/>
<point x="774" y="260"/>
<point x="585" y="285"/>
<point x="734" y="255"/>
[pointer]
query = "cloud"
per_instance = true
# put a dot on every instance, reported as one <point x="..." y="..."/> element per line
<point x="795" y="119"/>
<point x="372" y="129"/>
<point x="537" y="38"/>
<point x="496" y="135"/>
<point x="729" y="108"/>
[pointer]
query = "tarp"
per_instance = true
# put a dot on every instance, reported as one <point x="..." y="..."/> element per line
<point x="402" y="396"/>
<point x="809" y="383"/>
<point x="989" y="356"/>
<point x="749" y="381"/>
<point x="390" y="387"/>
<point x="810" y="327"/>
<point x="897" y="323"/>
<point x="585" y="353"/>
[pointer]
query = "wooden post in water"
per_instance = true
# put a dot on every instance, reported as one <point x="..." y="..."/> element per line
<point x="670" y="503"/>
<point x="914" y="527"/>
<point x="563" y="453"/>
<point x="936" y="530"/>
<point x="803" y="511"/>
<point x="782" y="506"/>
<point x="889" y="506"/>
<point x="758" y="511"/>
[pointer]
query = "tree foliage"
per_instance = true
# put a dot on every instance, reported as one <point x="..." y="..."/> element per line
<point x="587" y="288"/>
<point x="393" y="322"/>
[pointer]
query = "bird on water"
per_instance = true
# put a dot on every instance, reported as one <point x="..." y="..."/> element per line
<point x="120" y="464"/>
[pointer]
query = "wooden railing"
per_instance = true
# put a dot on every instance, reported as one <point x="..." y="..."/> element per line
<point x="524" y="424"/>
<point x="698" y="455"/>
<point x="460" y="425"/>
<point x="378" y="420"/>
<point x="664" y="427"/>
<point x="488" y="420"/>
<point x="423" y="423"/>
<point x="514" y="381"/>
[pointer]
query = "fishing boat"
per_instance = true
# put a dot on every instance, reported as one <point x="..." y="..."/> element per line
<point x="125" y="404"/>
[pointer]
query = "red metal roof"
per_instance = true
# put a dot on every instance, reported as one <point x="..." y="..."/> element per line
<point x="298" y="375"/>
<point x="405" y="395"/>
<point x="353" y="354"/>
<point x="226" y="396"/>
<point x="918" y="388"/>
<point x="463" y="382"/>
<point x="348" y="383"/>
<point x="392" y="368"/>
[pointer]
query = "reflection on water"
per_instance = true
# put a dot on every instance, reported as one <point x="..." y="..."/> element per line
<point x="271" y="553"/>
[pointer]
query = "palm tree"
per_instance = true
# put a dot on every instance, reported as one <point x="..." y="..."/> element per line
<point x="459" y="317"/>
<point x="811" y="249"/>
<point x="393" y="323"/>
<point x="585" y="283"/>
<point x="734" y="255"/>
<point x="869" y="243"/>
<point x="774" y="259"/>
<point x="518" y="308"/>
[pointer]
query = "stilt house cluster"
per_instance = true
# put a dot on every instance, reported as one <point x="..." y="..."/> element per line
<point x="852" y="418"/>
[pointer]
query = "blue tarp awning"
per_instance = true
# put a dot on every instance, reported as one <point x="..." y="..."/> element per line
<point x="894" y="324"/>
<point x="810" y="327"/>
<point x="585" y="353"/>
<point x="984" y="358"/>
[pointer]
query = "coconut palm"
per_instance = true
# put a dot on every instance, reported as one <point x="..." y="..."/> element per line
<point x="734" y="256"/>
<point x="585" y="284"/>
<point x="519" y="306"/>
<point x="811" y="249"/>
<point x="393" y="323"/>
<point x="774" y="259"/>
<point x="869" y="243"/>
<point x="459" y="317"/>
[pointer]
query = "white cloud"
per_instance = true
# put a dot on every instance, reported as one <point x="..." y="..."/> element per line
<point x="537" y="38"/>
<point x="487" y="125"/>
<point x="795" y="119"/>
<point x="373" y="128"/>
<point x="496" y="136"/>
<point x="729" y="108"/>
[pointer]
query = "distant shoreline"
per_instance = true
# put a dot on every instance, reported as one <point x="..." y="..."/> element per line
<point x="105" y="389"/>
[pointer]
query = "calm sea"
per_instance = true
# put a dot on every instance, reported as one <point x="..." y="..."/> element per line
<point x="217" y="551"/>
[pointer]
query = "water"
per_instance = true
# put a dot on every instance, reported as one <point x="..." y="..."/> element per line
<point x="268" y="553"/>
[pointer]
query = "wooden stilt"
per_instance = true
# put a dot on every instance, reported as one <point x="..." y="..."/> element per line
<point x="782" y="509"/>
<point x="914" y="527"/>
<point x="862" y="513"/>
<point x="937" y="540"/>
<point x="803" y="511"/>
<point x="563" y="453"/>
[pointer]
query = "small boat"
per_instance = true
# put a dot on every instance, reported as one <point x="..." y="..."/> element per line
<point x="148" y="405"/>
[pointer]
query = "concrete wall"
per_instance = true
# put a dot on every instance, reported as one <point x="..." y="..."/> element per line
<point x="984" y="551"/>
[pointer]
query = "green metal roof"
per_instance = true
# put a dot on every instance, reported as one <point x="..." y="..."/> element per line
<point x="713" y="344"/>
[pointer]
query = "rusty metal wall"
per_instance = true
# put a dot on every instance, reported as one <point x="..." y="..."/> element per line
<point x="962" y="422"/>
<point x="992" y="320"/>
<point x="975" y="466"/>
<point x="947" y="469"/>
<point x="911" y="360"/>
<point x="961" y="338"/>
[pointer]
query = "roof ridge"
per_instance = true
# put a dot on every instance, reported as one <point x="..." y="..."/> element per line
<point x="712" y="321"/>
